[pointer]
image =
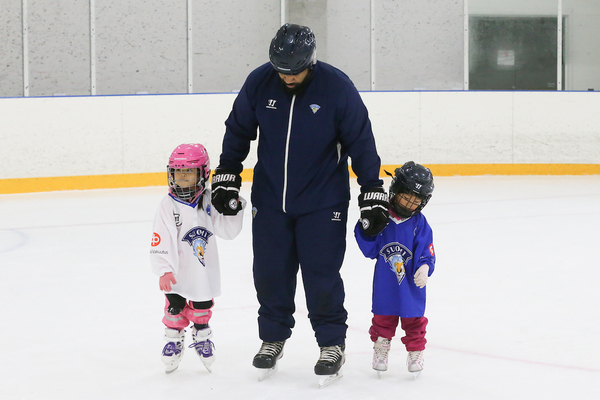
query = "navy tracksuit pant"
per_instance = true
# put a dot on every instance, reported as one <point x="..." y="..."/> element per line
<point x="315" y="243"/>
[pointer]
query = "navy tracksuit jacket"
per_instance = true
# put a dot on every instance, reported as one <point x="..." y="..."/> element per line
<point x="300" y="190"/>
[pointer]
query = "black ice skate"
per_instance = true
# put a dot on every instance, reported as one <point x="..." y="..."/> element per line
<point x="267" y="357"/>
<point x="329" y="365"/>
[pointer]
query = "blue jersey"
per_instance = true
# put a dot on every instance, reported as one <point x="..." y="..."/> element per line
<point x="400" y="249"/>
<point x="304" y="140"/>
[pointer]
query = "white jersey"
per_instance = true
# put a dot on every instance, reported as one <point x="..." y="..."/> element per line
<point x="184" y="243"/>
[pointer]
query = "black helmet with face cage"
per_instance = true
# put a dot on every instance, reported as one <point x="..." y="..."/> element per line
<point x="411" y="178"/>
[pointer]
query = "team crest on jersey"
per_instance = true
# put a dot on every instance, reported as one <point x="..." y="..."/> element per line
<point x="198" y="238"/>
<point x="396" y="255"/>
<point x="155" y="239"/>
<point x="315" y="108"/>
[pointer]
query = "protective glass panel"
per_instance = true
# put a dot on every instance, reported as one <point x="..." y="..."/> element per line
<point x="513" y="46"/>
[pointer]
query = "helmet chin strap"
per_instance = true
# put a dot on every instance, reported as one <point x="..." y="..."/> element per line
<point x="399" y="212"/>
<point x="182" y="193"/>
<point x="186" y="194"/>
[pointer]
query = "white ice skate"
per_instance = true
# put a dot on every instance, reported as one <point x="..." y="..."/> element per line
<point x="204" y="346"/>
<point x="173" y="350"/>
<point x="329" y="365"/>
<point x="415" y="363"/>
<point x="266" y="359"/>
<point x="381" y="348"/>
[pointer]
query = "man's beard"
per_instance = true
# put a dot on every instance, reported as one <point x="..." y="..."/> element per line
<point x="299" y="87"/>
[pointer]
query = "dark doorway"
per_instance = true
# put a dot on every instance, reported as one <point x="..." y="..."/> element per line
<point x="512" y="53"/>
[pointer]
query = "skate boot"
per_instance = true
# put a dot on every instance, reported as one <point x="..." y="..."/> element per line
<point x="415" y="362"/>
<point x="381" y="348"/>
<point x="329" y="365"/>
<point x="173" y="350"/>
<point x="267" y="357"/>
<point x="204" y="346"/>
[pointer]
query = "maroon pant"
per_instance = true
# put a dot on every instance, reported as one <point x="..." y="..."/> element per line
<point x="385" y="326"/>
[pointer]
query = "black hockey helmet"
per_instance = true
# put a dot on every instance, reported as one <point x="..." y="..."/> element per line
<point x="411" y="178"/>
<point x="293" y="49"/>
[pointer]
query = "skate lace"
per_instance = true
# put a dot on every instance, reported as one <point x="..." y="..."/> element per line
<point x="415" y="357"/>
<point x="270" y="348"/>
<point x="330" y="354"/>
<point x="205" y="347"/>
<point x="382" y="349"/>
<point x="171" y="348"/>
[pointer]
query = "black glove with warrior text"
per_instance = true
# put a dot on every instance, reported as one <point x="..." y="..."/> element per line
<point x="225" y="187"/>
<point x="374" y="214"/>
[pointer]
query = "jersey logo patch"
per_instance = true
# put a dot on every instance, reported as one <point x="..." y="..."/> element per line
<point x="198" y="238"/>
<point x="397" y="256"/>
<point x="155" y="239"/>
<point x="271" y="104"/>
<point x="315" y="108"/>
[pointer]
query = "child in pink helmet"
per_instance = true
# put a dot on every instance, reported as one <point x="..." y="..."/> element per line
<point x="184" y="253"/>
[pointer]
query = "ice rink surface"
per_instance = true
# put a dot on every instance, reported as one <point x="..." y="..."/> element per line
<point x="513" y="306"/>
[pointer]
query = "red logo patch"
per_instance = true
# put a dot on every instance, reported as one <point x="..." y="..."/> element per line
<point x="430" y="249"/>
<point x="155" y="239"/>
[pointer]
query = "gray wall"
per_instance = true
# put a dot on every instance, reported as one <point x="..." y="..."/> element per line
<point x="141" y="46"/>
<point x="59" y="47"/>
<point x="11" y="49"/>
<point x="419" y="45"/>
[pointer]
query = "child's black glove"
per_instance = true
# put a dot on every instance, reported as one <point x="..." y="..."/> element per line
<point x="374" y="214"/>
<point x="225" y="188"/>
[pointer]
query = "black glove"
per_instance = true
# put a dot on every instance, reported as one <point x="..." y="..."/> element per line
<point x="374" y="214"/>
<point x="225" y="187"/>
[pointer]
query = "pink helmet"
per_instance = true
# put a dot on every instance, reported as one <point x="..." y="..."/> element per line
<point x="193" y="156"/>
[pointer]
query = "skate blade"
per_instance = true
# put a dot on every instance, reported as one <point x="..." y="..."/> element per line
<point x="327" y="380"/>
<point x="416" y="374"/>
<point x="170" y="368"/>
<point x="170" y="371"/>
<point x="380" y="369"/>
<point x="265" y="373"/>
<point x="208" y="363"/>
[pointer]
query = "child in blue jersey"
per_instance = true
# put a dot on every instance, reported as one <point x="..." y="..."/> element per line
<point x="405" y="259"/>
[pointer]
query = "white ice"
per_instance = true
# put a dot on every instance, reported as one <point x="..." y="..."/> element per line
<point x="513" y="305"/>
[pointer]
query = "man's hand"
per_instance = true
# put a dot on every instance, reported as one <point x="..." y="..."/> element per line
<point x="374" y="214"/>
<point x="226" y="192"/>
